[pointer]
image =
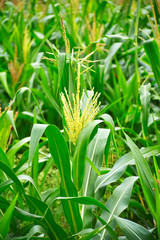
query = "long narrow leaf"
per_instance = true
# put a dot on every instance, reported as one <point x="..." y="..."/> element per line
<point x="118" y="201"/>
<point x="133" y="230"/>
<point x="86" y="201"/>
<point x="145" y="175"/>
<point x="152" y="50"/>
<point x="145" y="106"/>
<point x="119" y="168"/>
<point x="5" y="220"/>
<point x="60" y="154"/>
<point x="80" y="153"/>
<point x="95" y="152"/>
<point x="54" y="230"/>
<point x="36" y="134"/>
<point x="8" y="171"/>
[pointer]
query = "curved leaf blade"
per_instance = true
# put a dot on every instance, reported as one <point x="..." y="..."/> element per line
<point x="133" y="230"/>
<point x="145" y="175"/>
<point x="118" y="201"/>
<point x="86" y="201"/>
<point x="95" y="153"/>
<point x="120" y="167"/>
<point x="36" y="134"/>
<point x="145" y="106"/>
<point x="59" y="151"/>
<point x="80" y="153"/>
<point x="152" y="51"/>
<point x="5" y="220"/>
<point x="54" y="230"/>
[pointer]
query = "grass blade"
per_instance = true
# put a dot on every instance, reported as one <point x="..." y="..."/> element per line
<point x="86" y="201"/>
<point x="118" y="201"/>
<point x="120" y="167"/>
<point x="60" y="154"/>
<point x="145" y="106"/>
<point x="54" y="230"/>
<point x="5" y="220"/>
<point x="133" y="230"/>
<point x="95" y="152"/>
<point x="152" y="51"/>
<point x="80" y="153"/>
<point x="145" y="175"/>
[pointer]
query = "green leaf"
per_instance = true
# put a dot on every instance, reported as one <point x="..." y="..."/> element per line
<point x="8" y="171"/>
<point x="51" y="99"/>
<point x="120" y="166"/>
<point x="60" y="154"/>
<point x="20" y="177"/>
<point x="145" y="106"/>
<point x="121" y="79"/>
<point x="93" y="233"/>
<point x="36" y="134"/>
<point x="119" y="200"/>
<point x="109" y="229"/>
<point x="4" y="131"/>
<point x="157" y="178"/>
<point x="80" y="153"/>
<point x="12" y="151"/>
<point x="95" y="152"/>
<point x="112" y="51"/>
<point x="152" y="51"/>
<point x="86" y="201"/>
<point x="118" y="36"/>
<point x="19" y="95"/>
<point x="55" y="232"/>
<point x="131" y="91"/>
<point x="6" y="40"/>
<point x="19" y="213"/>
<point x="1" y="238"/>
<point x="158" y="210"/>
<point x="145" y="175"/>
<point x="5" y="220"/>
<point x="35" y="168"/>
<point x="34" y="230"/>
<point x="37" y="50"/>
<point x="4" y="158"/>
<point x="9" y="115"/>
<point x="133" y="230"/>
<point x="110" y="123"/>
<point x="3" y="78"/>
<point x="92" y="166"/>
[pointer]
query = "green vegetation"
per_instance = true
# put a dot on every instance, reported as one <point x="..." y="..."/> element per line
<point x="79" y="120"/>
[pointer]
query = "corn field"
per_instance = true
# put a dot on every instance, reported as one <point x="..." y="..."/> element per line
<point x="80" y="119"/>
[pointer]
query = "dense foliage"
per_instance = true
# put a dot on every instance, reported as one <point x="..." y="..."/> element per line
<point x="79" y="119"/>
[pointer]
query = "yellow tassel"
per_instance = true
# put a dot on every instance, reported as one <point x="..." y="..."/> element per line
<point x="75" y="119"/>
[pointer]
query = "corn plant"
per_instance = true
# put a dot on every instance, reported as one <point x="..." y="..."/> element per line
<point x="79" y="120"/>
